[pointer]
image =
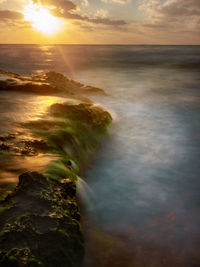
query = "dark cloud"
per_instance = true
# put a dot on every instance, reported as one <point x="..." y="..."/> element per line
<point x="10" y="15"/>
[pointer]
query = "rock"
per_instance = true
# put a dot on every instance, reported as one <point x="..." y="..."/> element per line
<point x="28" y="87"/>
<point x="95" y="90"/>
<point x="92" y="115"/>
<point x="49" y="83"/>
<point x="40" y="220"/>
<point x="7" y="137"/>
<point x="4" y="147"/>
<point x="38" y="145"/>
<point x="40" y="224"/>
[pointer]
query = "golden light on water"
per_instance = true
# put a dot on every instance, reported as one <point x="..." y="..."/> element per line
<point x="42" y="19"/>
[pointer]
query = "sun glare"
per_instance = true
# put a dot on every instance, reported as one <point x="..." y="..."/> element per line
<point x="41" y="19"/>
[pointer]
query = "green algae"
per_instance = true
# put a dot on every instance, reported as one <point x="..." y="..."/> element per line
<point x="77" y="133"/>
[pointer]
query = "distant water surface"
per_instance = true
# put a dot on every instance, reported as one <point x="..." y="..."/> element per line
<point x="146" y="177"/>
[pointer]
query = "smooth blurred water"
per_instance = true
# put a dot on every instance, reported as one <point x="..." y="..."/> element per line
<point x="146" y="177"/>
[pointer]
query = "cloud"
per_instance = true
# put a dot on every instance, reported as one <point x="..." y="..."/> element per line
<point x="12" y="19"/>
<point x="116" y="1"/>
<point x="106" y="21"/>
<point x="181" y="8"/>
<point x="10" y="15"/>
<point x="177" y="15"/>
<point x="173" y="8"/>
<point x="60" y="5"/>
<point x="85" y="3"/>
<point x="101" y="13"/>
<point x="68" y="10"/>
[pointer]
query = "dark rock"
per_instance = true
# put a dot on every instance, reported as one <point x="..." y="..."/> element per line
<point x="44" y="84"/>
<point x="7" y="137"/>
<point x="40" y="224"/>
<point x="28" y="87"/>
<point x="39" y="145"/>
<point x="4" y="147"/>
<point x="88" y="113"/>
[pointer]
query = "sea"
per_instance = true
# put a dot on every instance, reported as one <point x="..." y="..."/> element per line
<point x="145" y="177"/>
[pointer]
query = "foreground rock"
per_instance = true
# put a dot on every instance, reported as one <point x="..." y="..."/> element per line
<point x="40" y="224"/>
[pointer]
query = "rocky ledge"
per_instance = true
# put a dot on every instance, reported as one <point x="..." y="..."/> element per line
<point x="40" y="219"/>
<point x="40" y="224"/>
<point x="49" y="83"/>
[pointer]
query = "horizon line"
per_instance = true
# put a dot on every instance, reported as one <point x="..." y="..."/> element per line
<point x="101" y="44"/>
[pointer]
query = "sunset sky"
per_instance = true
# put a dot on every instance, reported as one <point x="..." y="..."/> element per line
<point x="100" y="21"/>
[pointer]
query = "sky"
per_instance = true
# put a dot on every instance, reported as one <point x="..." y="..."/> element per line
<point x="100" y="21"/>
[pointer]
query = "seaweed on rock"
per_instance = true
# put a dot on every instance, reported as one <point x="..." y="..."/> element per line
<point x="40" y="224"/>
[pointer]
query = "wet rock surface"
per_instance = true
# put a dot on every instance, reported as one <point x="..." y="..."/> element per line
<point x="40" y="224"/>
<point x="49" y="83"/>
<point x="24" y="147"/>
<point x="88" y="113"/>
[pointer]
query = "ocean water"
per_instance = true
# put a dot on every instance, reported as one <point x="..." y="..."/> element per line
<point x="145" y="178"/>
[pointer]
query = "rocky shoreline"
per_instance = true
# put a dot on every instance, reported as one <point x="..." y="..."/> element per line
<point x="40" y="219"/>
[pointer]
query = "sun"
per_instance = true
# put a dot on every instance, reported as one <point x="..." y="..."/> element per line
<point x="41" y="19"/>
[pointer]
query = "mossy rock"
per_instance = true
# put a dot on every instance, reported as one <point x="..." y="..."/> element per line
<point x="43" y="226"/>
